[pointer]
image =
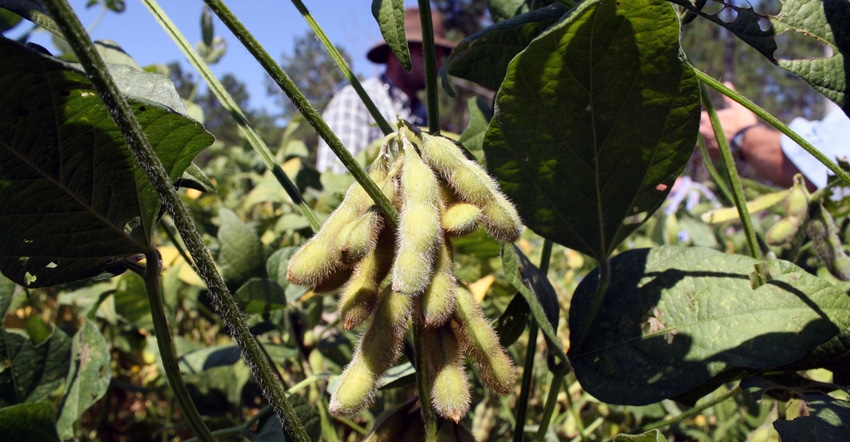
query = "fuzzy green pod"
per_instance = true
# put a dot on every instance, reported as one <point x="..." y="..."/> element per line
<point x="438" y="300"/>
<point x="782" y="232"/>
<point x="320" y="256"/>
<point x="460" y="219"/>
<point x="360" y="236"/>
<point x="360" y="296"/>
<point x="797" y="202"/>
<point x="449" y="385"/>
<point x="419" y="233"/>
<point x="827" y="244"/>
<point x="377" y="351"/>
<point x="466" y="177"/>
<point x="501" y="219"/>
<point x="480" y="341"/>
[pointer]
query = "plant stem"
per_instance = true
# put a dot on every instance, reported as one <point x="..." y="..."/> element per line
<point x="715" y="175"/>
<point x="525" y="386"/>
<point x="97" y="71"/>
<point x="601" y="288"/>
<point x="528" y="368"/>
<point x="144" y="154"/>
<point x="423" y="379"/>
<point x="430" y="57"/>
<point x="303" y="105"/>
<point x="773" y="121"/>
<point x="692" y="412"/>
<point x="343" y="66"/>
<point x="166" y="347"/>
<point x="732" y="173"/>
<point x="552" y="399"/>
<point x="239" y="117"/>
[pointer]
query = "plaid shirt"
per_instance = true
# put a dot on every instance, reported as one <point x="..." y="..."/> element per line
<point x="348" y="117"/>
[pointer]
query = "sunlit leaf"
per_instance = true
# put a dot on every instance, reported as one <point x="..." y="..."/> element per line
<point x="827" y="420"/>
<point x="29" y="372"/>
<point x="674" y="317"/>
<point x="88" y="378"/>
<point x="390" y="17"/>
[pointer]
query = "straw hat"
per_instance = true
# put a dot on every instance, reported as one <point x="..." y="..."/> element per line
<point x="380" y="52"/>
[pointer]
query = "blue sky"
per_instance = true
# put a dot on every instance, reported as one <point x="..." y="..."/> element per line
<point x="275" y="24"/>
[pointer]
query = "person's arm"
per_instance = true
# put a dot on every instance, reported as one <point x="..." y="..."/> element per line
<point x="756" y="144"/>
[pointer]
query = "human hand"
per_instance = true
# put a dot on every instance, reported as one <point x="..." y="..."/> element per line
<point x="733" y="118"/>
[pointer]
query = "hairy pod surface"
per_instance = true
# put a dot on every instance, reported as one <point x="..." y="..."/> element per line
<point x="480" y="341"/>
<point x="501" y="219"/>
<point x="360" y="236"/>
<point x="468" y="179"/>
<point x="377" y="351"/>
<point x="449" y="386"/>
<point x="797" y="202"/>
<point x="827" y="244"/>
<point x="419" y="232"/>
<point x="460" y="219"/>
<point x="782" y="232"/>
<point x="360" y="296"/>
<point x="438" y="300"/>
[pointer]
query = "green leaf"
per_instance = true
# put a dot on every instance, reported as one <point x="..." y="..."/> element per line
<point x="195" y="178"/>
<point x="241" y="253"/>
<point x="673" y="318"/>
<point x="483" y="57"/>
<point x="513" y="320"/>
<point x="390" y="17"/>
<point x="649" y="436"/>
<point x="538" y="293"/>
<point x="827" y="421"/>
<point x="7" y="290"/>
<point x="828" y="22"/>
<point x="73" y="201"/>
<point x="8" y="20"/>
<point x="479" y="118"/>
<point x="594" y="122"/>
<point x="29" y="372"/>
<point x="307" y="415"/>
<point x="33" y="11"/>
<point x="207" y="358"/>
<point x="88" y="378"/>
<point x="131" y="301"/>
<point x="260" y="295"/>
<point x="29" y="422"/>
<point x="505" y="9"/>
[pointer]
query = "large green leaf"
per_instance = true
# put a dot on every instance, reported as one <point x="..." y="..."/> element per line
<point x="828" y="420"/>
<point x="29" y="422"/>
<point x="483" y="57"/>
<point x="30" y="372"/>
<point x="72" y="200"/>
<point x="673" y="318"/>
<point x="88" y="378"/>
<point x="594" y="122"/>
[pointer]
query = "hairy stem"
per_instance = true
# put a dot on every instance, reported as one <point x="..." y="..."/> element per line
<point x="732" y="173"/>
<point x="230" y="105"/>
<point x="430" y="58"/>
<point x="343" y="66"/>
<point x="303" y="105"/>
<point x="150" y="163"/>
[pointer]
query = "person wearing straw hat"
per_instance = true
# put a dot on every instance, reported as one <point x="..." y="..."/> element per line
<point x="394" y="93"/>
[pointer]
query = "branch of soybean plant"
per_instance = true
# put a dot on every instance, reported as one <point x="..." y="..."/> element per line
<point x="303" y="105"/>
<point x="430" y="58"/>
<point x="423" y="379"/>
<point x="239" y="117"/>
<point x="97" y="71"/>
<point x="715" y="175"/>
<point x="732" y="173"/>
<point x="343" y="66"/>
<point x="144" y="153"/>
<point x="531" y="352"/>
<point x="167" y="352"/>
<point x="692" y="412"/>
<point x="561" y="372"/>
<point x="773" y="121"/>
